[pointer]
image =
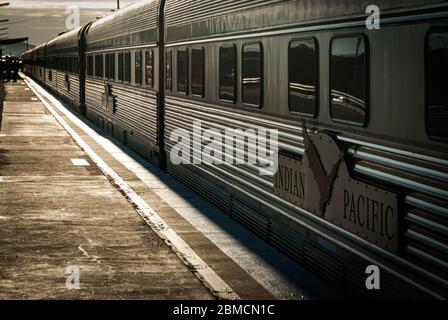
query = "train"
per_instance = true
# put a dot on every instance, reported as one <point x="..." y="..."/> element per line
<point x="359" y="111"/>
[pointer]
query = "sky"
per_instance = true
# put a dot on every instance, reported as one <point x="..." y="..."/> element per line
<point x="42" y="20"/>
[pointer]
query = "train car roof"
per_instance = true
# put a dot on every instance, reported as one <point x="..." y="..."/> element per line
<point x="25" y="54"/>
<point x="66" y="43"/>
<point x="133" y="25"/>
<point x="194" y="19"/>
<point x="39" y="51"/>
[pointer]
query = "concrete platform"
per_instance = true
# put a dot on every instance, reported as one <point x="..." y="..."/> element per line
<point x="54" y="214"/>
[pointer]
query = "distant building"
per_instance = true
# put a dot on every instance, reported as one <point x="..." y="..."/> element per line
<point x="15" y="49"/>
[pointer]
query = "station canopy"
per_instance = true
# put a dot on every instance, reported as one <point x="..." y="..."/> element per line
<point x="12" y="41"/>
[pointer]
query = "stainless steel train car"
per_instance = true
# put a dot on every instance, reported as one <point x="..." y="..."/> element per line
<point x="27" y="62"/>
<point x="63" y="58"/>
<point x="38" y="63"/>
<point x="51" y="68"/>
<point x="121" y="85"/>
<point x="361" y="114"/>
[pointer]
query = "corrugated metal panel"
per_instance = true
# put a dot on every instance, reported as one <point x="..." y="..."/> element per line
<point x="288" y="240"/>
<point x="134" y="121"/>
<point x="253" y="220"/>
<point x="70" y="90"/>
<point x="192" y="178"/>
<point x="134" y="25"/>
<point x="425" y="187"/>
<point x="64" y="44"/>
<point x="191" y="11"/>
<point x="138" y="146"/>
<point x="193" y="19"/>
<point x="53" y="82"/>
<point x="136" y="108"/>
<point x="325" y="263"/>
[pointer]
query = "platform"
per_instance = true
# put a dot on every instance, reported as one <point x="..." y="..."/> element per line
<point x="71" y="196"/>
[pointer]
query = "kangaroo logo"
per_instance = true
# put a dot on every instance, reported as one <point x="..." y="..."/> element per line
<point x="323" y="179"/>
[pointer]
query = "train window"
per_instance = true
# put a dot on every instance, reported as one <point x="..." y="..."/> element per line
<point x="349" y="80"/>
<point x="99" y="66"/>
<point x="75" y="65"/>
<point x="120" y="66"/>
<point x="303" y="75"/>
<point x="169" y="70"/>
<point x="149" y="67"/>
<point x="90" y="65"/>
<point x="112" y="66"/>
<point x="127" y="67"/>
<point x="436" y="94"/>
<point x="227" y="73"/>
<point x="107" y="69"/>
<point x="182" y="71"/>
<point x="138" y="67"/>
<point x="197" y="71"/>
<point x="252" y="74"/>
<point x="72" y="64"/>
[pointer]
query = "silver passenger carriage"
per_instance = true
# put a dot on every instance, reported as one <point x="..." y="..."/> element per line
<point x="63" y="66"/>
<point x="277" y="64"/>
<point x="122" y="77"/>
<point x="38" y="59"/>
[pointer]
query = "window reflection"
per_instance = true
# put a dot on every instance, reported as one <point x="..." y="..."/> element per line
<point x="227" y="73"/>
<point x="120" y="66"/>
<point x="197" y="71"/>
<point x="138" y="67"/>
<point x="169" y="72"/>
<point x="99" y="65"/>
<point x="107" y="69"/>
<point x="349" y="80"/>
<point x="182" y="71"/>
<point x="149" y="65"/>
<point x="436" y="92"/>
<point x="302" y="77"/>
<point x="127" y="67"/>
<point x="252" y="74"/>
<point x="89" y="65"/>
<point x="112" y="66"/>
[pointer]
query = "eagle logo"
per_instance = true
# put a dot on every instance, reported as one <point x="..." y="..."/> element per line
<point x="108" y="100"/>
<point x="323" y="179"/>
